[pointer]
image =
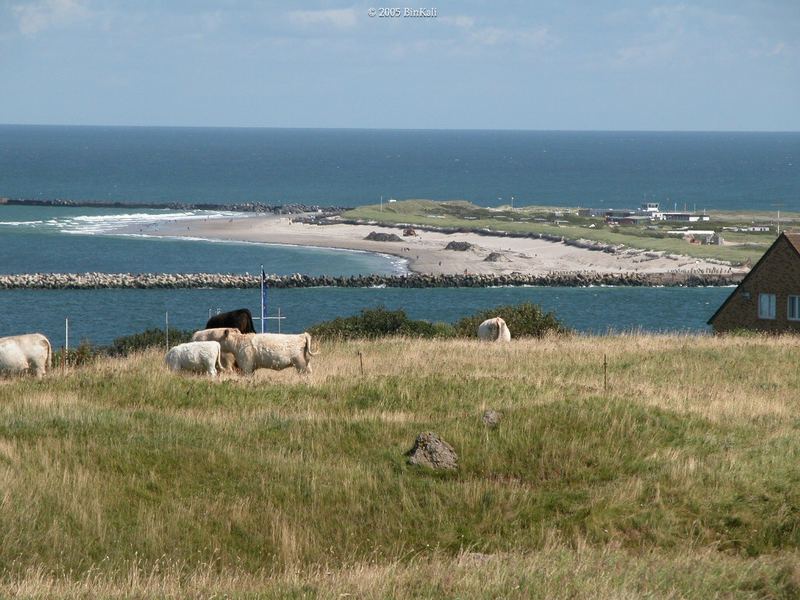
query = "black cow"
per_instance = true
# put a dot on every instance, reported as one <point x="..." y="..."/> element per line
<point x="240" y="319"/>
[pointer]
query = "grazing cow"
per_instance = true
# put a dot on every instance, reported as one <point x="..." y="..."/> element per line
<point x="241" y="319"/>
<point x="29" y="353"/>
<point x="194" y="356"/>
<point x="226" y="358"/>
<point x="270" y="350"/>
<point x="494" y="330"/>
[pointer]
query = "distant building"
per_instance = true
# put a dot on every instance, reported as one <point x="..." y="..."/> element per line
<point x="652" y="208"/>
<point x="686" y="232"/>
<point x="634" y="220"/>
<point x="768" y="298"/>
<point x="684" y="216"/>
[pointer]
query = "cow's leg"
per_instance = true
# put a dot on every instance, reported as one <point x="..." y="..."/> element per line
<point x="228" y="361"/>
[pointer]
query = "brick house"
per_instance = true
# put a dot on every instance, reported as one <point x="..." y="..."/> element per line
<point x="768" y="298"/>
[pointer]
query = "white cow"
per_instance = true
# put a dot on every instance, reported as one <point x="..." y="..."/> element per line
<point x="194" y="356"/>
<point x="29" y="353"/>
<point x="494" y="330"/>
<point x="226" y="358"/>
<point x="269" y="350"/>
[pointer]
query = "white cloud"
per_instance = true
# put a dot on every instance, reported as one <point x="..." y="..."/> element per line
<point x="476" y="34"/>
<point x="45" y="14"/>
<point x="680" y="34"/>
<point x="342" y="18"/>
<point x="639" y="55"/>
<point x="536" y="37"/>
<point x="777" y="49"/>
<point x="460" y="21"/>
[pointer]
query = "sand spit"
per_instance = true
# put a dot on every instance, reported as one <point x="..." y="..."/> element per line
<point x="426" y="254"/>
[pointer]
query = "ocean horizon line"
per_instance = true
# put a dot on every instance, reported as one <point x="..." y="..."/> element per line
<point x="397" y="129"/>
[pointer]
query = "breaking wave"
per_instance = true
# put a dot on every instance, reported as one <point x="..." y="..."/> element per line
<point x="115" y="223"/>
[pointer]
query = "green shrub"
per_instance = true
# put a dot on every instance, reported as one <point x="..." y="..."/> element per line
<point x="84" y="354"/>
<point x="379" y="322"/>
<point x="147" y="339"/>
<point x="524" y="320"/>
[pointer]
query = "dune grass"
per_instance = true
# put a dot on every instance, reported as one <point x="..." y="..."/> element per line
<point x="681" y="479"/>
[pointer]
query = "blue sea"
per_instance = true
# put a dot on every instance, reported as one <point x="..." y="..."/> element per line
<point x="351" y="167"/>
<point x="101" y="315"/>
<point x="734" y="171"/>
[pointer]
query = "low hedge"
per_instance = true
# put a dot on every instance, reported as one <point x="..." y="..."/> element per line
<point x="524" y="320"/>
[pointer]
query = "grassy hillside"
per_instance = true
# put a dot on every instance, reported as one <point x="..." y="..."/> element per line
<point x="464" y="214"/>
<point x="682" y="479"/>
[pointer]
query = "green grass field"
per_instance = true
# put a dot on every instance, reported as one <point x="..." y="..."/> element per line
<point x="464" y="214"/>
<point x="680" y="480"/>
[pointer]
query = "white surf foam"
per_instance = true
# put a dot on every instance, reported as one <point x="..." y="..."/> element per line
<point x="109" y="224"/>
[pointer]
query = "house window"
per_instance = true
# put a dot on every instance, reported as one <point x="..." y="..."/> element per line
<point x="794" y="308"/>
<point x="766" y="306"/>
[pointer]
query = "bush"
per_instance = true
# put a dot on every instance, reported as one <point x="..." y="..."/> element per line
<point x="379" y="322"/>
<point x="148" y="339"/>
<point x="524" y="320"/>
<point x="84" y="354"/>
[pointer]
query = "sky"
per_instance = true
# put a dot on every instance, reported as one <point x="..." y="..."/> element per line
<point x="724" y="65"/>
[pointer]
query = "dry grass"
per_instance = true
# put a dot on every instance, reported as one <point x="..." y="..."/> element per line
<point x="678" y="480"/>
<point x="558" y="571"/>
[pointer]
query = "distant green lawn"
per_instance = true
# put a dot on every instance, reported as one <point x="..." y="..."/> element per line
<point x="467" y="215"/>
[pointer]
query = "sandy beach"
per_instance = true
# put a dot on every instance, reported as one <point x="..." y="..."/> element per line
<point x="426" y="253"/>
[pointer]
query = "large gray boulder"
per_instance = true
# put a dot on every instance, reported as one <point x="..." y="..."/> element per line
<point x="431" y="451"/>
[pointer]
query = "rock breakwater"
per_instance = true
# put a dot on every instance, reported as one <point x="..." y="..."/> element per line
<point x="88" y="281"/>
<point x="248" y="207"/>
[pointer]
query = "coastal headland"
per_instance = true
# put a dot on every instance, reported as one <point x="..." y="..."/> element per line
<point x="434" y="250"/>
<point x="456" y="243"/>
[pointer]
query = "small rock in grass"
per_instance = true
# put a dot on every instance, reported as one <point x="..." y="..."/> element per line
<point x="491" y="418"/>
<point x="430" y="450"/>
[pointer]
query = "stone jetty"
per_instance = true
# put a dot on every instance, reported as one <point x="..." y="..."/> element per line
<point x="247" y="207"/>
<point x="89" y="281"/>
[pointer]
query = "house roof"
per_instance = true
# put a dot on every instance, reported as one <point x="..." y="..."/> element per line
<point x="794" y="242"/>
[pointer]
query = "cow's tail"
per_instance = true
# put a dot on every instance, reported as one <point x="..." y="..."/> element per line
<point x="49" y="361"/>
<point x="218" y="364"/>
<point x="308" y="351"/>
<point x="499" y="329"/>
